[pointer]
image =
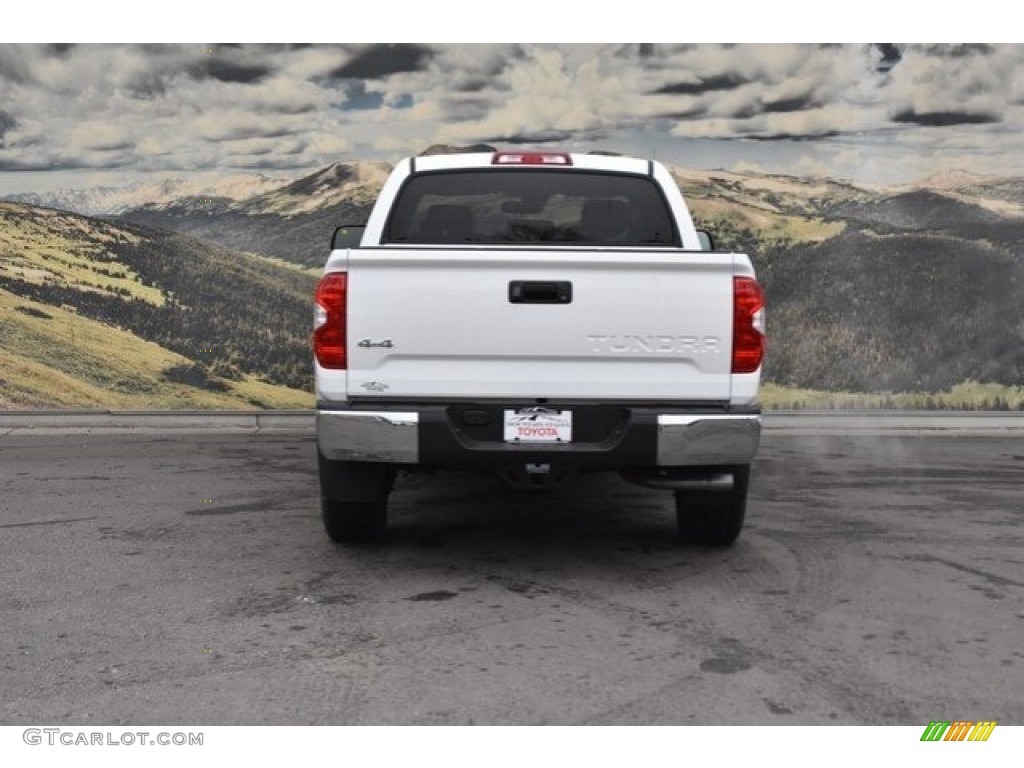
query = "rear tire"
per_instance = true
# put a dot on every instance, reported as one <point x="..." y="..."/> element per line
<point x="355" y="521"/>
<point x="354" y="499"/>
<point x="713" y="518"/>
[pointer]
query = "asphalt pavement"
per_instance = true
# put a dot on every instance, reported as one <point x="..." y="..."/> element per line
<point x="172" y="570"/>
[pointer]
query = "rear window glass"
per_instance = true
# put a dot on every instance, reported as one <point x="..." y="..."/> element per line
<point x="530" y="206"/>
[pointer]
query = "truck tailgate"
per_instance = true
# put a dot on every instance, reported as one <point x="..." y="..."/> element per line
<point x="631" y="324"/>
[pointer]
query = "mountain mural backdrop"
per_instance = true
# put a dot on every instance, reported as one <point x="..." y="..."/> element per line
<point x="173" y="296"/>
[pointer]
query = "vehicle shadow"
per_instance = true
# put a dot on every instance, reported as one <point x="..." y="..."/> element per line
<point x="599" y="523"/>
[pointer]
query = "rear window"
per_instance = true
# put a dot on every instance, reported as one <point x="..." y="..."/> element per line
<point x="530" y="206"/>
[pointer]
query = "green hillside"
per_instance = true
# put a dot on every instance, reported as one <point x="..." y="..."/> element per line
<point x="756" y="210"/>
<point x="897" y="312"/>
<point x="101" y="315"/>
<point x="293" y="222"/>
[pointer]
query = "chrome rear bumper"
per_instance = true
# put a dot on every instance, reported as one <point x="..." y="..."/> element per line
<point x="383" y="436"/>
<point x="683" y="440"/>
<point x="696" y="440"/>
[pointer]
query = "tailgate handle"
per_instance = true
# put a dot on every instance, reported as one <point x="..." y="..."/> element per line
<point x="540" y="292"/>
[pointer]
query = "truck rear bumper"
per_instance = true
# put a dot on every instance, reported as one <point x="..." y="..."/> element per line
<point x="636" y="437"/>
<point x="382" y="436"/>
<point x="688" y="440"/>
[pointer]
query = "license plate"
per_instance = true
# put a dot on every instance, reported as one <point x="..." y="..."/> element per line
<point x="537" y="425"/>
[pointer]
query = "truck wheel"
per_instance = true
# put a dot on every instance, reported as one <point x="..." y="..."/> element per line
<point x="713" y="518"/>
<point x="354" y="499"/>
<point x="352" y="521"/>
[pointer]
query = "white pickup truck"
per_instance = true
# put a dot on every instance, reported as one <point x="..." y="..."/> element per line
<point x="537" y="315"/>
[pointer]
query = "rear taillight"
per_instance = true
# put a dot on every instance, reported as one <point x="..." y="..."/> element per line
<point x="747" y="325"/>
<point x="329" y="323"/>
<point x="531" y="158"/>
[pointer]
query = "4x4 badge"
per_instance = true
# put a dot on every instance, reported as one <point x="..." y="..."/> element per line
<point x="386" y="343"/>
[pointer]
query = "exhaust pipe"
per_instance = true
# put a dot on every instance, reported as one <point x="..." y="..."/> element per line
<point x="682" y="480"/>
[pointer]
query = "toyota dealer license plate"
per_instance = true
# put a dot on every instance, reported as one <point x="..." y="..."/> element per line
<point x="538" y="425"/>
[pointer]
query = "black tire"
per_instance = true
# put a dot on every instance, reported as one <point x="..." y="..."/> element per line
<point x="713" y="518"/>
<point x="355" y="521"/>
<point x="354" y="499"/>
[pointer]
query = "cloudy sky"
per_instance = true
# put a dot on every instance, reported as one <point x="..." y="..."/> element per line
<point x="108" y="114"/>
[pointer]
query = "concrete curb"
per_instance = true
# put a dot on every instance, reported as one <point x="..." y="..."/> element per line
<point x="775" y="422"/>
<point x="894" y="422"/>
<point x="79" y="422"/>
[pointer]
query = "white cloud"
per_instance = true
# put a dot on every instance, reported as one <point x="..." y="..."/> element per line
<point x="848" y="158"/>
<point x="927" y="83"/>
<point x="746" y="166"/>
<point x="175" y="107"/>
<point x="328" y="144"/>
<point x="810" y="166"/>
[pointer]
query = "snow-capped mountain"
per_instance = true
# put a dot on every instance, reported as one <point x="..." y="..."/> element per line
<point x="107" y="201"/>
